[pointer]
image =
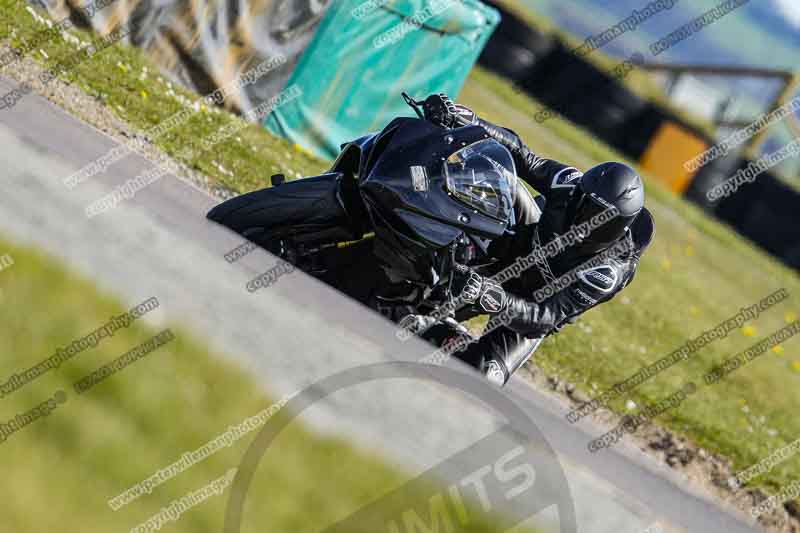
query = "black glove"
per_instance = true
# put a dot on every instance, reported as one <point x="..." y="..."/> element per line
<point x="439" y="109"/>
<point x="471" y="288"/>
<point x="412" y="324"/>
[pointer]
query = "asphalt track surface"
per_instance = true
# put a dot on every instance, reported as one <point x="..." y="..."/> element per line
<point x="298" y="331"/>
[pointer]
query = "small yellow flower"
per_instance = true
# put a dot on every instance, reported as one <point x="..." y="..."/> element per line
<point x="790" y="316"/>
<point x="690" y="250"/>
<point x="143" y="93"/>
<point x="694" y="310"/>
<point x="778" y="349"/>
<point x="301" y="149"/>
<point x="796" y="366"/>
<point x="749" y="331"/>
<point x="666" y="264"/>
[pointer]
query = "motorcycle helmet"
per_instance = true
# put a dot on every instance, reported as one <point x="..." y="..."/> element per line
<point x="606" y="186"/>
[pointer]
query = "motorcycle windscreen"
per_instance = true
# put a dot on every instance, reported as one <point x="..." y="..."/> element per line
<point x="482" y="176"/>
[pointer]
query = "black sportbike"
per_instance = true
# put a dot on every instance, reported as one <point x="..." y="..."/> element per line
<point x="396" y="213"/>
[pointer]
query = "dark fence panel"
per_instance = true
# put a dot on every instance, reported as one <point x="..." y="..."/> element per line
<point x="514" y="47"/>
<point x="588" y="96"/>
<point x="639" y="130"/>
<point x="767" y="212"/>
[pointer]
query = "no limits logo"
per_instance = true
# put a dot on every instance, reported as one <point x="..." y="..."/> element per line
<point x="513" y="473"/>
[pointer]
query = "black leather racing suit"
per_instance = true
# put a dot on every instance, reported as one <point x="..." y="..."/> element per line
<point x="502" y="350"/>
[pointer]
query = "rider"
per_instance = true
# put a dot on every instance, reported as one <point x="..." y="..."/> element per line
<point x="604" y="260"/>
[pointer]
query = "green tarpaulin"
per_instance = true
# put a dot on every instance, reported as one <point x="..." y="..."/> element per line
<point x="365" y="53"/>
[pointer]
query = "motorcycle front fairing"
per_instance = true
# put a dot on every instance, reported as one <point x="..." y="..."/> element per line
<point x="413" y="211"/>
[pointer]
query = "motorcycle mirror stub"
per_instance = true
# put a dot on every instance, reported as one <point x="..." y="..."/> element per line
<point x="277" y="179"/>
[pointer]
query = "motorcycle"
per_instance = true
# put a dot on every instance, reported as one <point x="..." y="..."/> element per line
<point x="398" y="210"/>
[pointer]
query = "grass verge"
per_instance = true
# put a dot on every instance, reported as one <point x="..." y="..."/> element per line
<point x="696" y="274"/>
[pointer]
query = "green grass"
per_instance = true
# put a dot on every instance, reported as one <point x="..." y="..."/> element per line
<point x="696" y="273"/>
<point x="59" y="471"/>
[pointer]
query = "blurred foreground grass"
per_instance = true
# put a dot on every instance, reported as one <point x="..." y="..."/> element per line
<point x="59" y="471"/>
